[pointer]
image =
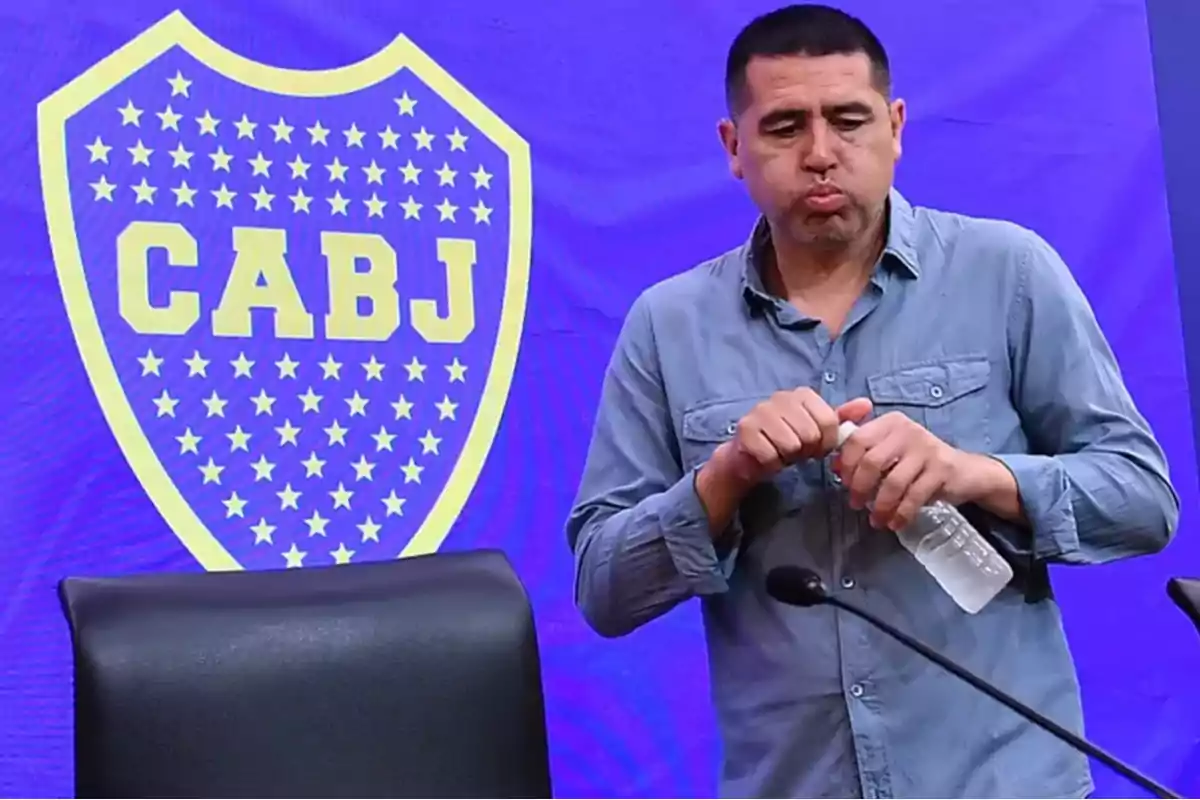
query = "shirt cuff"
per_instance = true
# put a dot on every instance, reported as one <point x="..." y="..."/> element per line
<point x="684" y="526"/>
<point x="1045" y="496"/>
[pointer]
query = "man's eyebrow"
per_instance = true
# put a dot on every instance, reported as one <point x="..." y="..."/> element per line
<point x="798" y="115"/>
<point x="783" y="115"/>
<point x="849" y="108"/>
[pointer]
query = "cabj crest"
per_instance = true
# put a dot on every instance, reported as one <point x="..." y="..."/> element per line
<point x="298" y="295"/>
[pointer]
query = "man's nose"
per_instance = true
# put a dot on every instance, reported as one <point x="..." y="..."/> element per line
<point x="818" y="151"/>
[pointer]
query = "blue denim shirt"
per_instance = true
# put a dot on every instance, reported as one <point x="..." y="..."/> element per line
<point x="975" y="329"/>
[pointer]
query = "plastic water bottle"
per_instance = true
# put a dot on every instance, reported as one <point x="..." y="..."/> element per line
<point x="963" y="563"/>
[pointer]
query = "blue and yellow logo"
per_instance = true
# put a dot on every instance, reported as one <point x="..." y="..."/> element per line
<point x="298" y="295"/>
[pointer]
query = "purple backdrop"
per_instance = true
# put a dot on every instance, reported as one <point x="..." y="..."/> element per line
<point x="1043" y="113"/>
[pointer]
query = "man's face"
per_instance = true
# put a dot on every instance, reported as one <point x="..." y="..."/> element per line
<point x="816" y="145"/>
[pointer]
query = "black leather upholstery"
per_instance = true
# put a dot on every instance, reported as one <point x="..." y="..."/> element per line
<point x="409" y="678"/>
<point x="1186" y="594"/>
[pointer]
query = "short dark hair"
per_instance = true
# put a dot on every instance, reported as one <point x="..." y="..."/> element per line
<point x="805" y="29"/>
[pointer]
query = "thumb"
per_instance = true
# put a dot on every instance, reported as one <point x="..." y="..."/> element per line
<point x="855" y="410"/>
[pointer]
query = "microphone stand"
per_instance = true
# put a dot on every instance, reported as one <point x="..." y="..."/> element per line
<point x="1149" y="784"/>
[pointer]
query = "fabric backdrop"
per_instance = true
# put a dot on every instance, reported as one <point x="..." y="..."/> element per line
<point x="525" y="169"/>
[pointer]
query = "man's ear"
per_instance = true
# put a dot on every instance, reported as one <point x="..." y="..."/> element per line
<point x="898" y="114"/>
<point x="727" y="130"/>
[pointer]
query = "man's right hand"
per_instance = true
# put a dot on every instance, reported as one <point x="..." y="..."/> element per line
<point x="788" y="427"/>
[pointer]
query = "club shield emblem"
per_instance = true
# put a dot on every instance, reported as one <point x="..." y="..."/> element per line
<point x="298" y="295"/>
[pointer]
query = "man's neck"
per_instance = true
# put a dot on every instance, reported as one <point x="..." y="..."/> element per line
<point x="823" y="282"/>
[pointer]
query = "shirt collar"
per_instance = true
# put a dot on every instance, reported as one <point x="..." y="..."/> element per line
<point x="900" y="250"/>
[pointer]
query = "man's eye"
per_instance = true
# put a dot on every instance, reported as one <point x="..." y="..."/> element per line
<point x="848" y="123"/>
<point x="784" y="130"/>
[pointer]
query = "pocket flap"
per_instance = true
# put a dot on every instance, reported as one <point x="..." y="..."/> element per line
<point x="930" y="385"/>
<point x="716" y="420"/>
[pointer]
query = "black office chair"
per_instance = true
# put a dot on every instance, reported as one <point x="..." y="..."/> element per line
<point x="409" y="678"/>
<point x="1186" y="594"/>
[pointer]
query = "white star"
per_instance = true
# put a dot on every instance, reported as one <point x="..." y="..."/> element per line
<point x="405" y="105"/>
<point x="458" y="140"/>
<point x="424" y="139"/>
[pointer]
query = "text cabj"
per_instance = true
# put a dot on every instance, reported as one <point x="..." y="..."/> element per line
<point x="261" y="279"/>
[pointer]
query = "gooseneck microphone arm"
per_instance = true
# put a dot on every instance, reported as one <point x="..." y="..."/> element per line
<point x="797" y="586"/>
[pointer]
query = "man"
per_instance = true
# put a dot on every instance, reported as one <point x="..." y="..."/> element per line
<point x="977" y="373"/>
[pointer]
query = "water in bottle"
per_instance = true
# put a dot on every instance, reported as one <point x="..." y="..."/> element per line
<point x="964" y="563"/>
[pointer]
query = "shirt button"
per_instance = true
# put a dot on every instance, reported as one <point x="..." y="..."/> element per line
<point x="856" y="690"/>
<point x="847" y="582"/>
<point x="830" y="376"/>
<point x="732" y="429"/>
<point x="935" y="392"/>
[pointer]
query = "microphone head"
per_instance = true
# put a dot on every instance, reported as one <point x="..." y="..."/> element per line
<point x="796" y="586"/>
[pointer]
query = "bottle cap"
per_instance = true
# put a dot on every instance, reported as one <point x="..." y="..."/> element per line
<point x="844" y="431"/>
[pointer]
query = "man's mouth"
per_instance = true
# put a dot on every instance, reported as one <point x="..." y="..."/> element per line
<point x="824" y="199"/>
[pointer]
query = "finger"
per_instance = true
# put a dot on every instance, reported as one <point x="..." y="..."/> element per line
<point x="808" y="434"/>
<point x="892" y="489"/>
<point x="761" y="449"/>
<point x="825" y="423"/>
<point x="855" y="410"/>
<point x="921" y="492"/>
<point x="783" y="438"/>
<point x="863" y="439"/>
<point x="867" y="435"/>
<point x="794" y="410"/>
<point x="869" y="470"/>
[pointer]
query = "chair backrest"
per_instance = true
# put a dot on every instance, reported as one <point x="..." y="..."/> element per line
<point x="1186" y="594"/>
<point x="415" y="677"/>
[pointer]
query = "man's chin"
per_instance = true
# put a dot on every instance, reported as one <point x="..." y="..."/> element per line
<point x="826" y="231"/>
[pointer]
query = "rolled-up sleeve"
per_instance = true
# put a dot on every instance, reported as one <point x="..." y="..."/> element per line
<point x="1095" y="485"/>
<point x="638" y="530"/>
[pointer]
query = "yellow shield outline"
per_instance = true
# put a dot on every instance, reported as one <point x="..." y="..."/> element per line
<point x="175" y="30"/>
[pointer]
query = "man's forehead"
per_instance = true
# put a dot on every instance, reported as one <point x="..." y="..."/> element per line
<point x="814" y="73"/>
<point x="836" y="67"/>
<point x="810" y="83"/>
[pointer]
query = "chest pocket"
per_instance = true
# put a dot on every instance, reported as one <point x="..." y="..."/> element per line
<point x="948" y="397"/>
<point x="706" y="425"/>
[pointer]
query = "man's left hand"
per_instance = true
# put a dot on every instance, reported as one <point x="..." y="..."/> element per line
<point x="901" y="466"/>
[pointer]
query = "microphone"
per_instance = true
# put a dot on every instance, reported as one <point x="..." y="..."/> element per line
<point x="798" y="586"/>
